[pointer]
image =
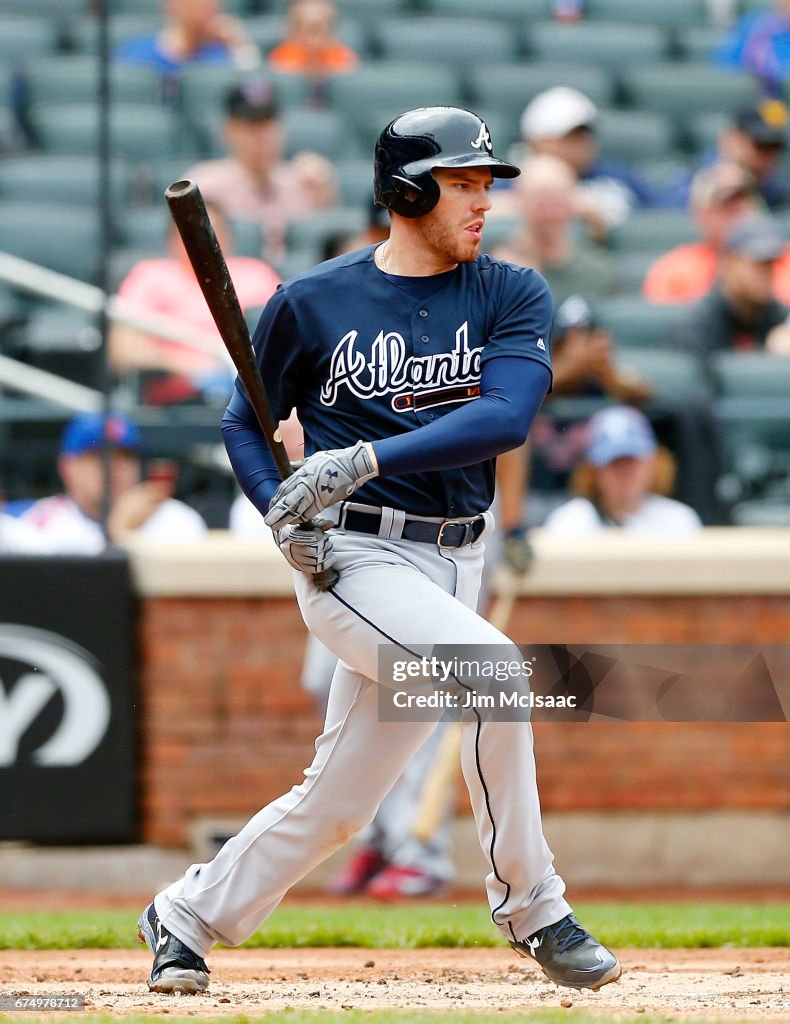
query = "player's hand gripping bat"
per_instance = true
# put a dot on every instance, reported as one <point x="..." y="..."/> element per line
<point x="189" y="214"/>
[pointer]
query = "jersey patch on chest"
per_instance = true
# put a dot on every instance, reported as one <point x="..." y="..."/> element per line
<point x="414" y="382"/>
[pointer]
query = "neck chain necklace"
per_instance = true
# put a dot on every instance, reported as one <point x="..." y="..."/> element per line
<point x="382" y="251"/>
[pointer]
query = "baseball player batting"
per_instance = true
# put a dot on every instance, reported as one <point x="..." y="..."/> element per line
<point x="412" y="365"/>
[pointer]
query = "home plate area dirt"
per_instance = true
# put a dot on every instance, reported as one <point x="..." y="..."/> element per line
<point x="742" y="984"/>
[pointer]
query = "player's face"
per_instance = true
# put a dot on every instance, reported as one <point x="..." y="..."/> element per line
<point x="454" y="227"/>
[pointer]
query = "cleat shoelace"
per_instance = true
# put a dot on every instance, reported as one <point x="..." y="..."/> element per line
<point x="567" y="933"/>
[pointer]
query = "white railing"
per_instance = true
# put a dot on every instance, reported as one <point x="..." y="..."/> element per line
<point x="37" y="280"/>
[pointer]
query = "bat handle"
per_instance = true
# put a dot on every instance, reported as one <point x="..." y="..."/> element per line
<point x="326" y="579"/>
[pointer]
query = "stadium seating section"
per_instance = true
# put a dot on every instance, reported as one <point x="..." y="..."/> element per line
<point x="647" y="64"/>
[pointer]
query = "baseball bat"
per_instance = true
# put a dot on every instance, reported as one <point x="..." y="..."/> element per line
<point x="205" y="254"/>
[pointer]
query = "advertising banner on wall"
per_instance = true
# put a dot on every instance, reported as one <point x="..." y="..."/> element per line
<point x="67" y="734"/>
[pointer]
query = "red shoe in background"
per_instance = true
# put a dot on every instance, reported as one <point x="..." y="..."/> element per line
<point x="395" y="883"/>
<point x="364" y="865"/>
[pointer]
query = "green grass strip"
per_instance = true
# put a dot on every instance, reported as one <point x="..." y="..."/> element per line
<point x="414" y="926"/>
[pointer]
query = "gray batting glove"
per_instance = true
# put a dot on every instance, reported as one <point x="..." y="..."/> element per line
<point x="320" y="481"/>
<point x="308" y="550"/>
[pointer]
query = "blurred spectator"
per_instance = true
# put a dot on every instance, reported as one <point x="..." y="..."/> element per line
<point x="583" y="357"/>
<point x="70" y="523"/>
<point x="741" y="310"/>
<point x="194" y="31"/>
<point x="254" y="181"/>
<point x="171" y="371"/>
<point x="756" y="139"/>
<point x="622" y="482"/>
<point x="20" y="538"/>
<point x="548" y="204"/>
<point x="310" y="48"/>
<point x="584" y="365"/>
<point x="759" y="42"/>
<point x="561" y="122"/>
<point x="720" y="195"/>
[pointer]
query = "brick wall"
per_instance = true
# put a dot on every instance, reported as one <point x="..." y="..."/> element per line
<point x="225" y="726"/>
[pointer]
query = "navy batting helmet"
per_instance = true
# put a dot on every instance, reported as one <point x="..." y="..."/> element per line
<point x="420" y="140"/>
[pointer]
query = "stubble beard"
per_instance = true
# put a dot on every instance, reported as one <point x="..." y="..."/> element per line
<point x="443" y="240"/>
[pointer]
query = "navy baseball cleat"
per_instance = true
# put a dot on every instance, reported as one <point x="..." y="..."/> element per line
<point x="570" y="956"/>
<point x="176" y="968"/>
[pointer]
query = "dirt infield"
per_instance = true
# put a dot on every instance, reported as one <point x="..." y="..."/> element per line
<point x="742" y="984"/>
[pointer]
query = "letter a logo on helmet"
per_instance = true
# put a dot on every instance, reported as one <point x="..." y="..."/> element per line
<point x="483" y="139"/>
<point x="413" y="145"/>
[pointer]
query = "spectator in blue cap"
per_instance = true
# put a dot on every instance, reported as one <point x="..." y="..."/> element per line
<point x="618" y="481"/>
<point x="71" y="521"/>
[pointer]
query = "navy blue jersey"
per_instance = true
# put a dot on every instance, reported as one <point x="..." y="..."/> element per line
<point x="363" y="355"/>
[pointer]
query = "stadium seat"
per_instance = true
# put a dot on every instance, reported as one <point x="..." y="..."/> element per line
<point x="497" y="231"/>
<point x="74" y="79"/>
<point x="635" y="135"/>
<point x="355" y="180"/>
<point x="460" y="42"/>
<point x="657" y="12"/>
<point x="147" y="229"/>
<point x="765" y="512"/>
<point x="637" y="324"/>
<point x="698" y="42"/>
<point x="392" y="86"/>
<point x="203" y="90"/>
<point x="61" y="237"/>
<point x="654" y="229"/>
<point x="752" y="374"/>
<point x="9" y="307"/>
<point x="677" y="87"/>
<point x="514" y="10"/>
<point x="599" y="43"/>
<point x="701" y="133"/>
<point x="45" y="8"/>
<point x="139" y="132"/>
<point x="22" y="38"/>
<point x="746" y="6"/>
<point x="84" y="33"/>
<point x="61" y="179"/>
<point x="509" y="87"/>
<point x="321" y="131"/>
<point x="675" y="376"/>
<point x="632" y="267"/>
<point x="66" y="342"/>
<point x="311" y="233"/>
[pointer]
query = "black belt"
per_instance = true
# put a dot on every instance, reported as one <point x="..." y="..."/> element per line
<point x="449" y="534"/>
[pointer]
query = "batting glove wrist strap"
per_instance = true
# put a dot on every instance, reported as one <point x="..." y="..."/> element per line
<point x="320" y="481"/>
<point x="307" y="549"/>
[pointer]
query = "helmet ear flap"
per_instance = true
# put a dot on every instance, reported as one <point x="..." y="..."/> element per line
<point x="413" y="197"/>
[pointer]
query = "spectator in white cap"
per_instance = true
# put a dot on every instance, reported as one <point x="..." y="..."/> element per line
<point x="562" y="122"/>
<point x="622" y="482"/>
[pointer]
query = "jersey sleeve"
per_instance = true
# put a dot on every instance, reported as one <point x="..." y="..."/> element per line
<point x="279" y="355"/>
<point x="522" y="317"/>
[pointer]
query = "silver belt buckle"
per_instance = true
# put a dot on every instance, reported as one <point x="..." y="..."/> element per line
<point x="454" y="522"/>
